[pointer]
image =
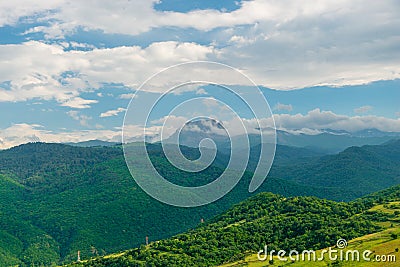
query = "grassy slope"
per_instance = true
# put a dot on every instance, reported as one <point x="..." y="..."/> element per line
<point x="380" y="243"/>
<point x="296" y="223"/>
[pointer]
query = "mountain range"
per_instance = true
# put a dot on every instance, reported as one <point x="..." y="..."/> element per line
<point x="57" y="199"/>
<point x="325" y="141"/>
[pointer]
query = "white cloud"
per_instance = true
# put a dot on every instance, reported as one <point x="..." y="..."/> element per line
<point x="311" y="123"/>
<point x="134" y="17"/>
<point x="78" y="102"/>
<point x="134" y="133"/>
<point x="211" y="102"/>
<point x="201" y="91"/>
<point x="81" y="45"/>
<point x="317" y="119"/>
<point x="44" y="71"/>
<point x="167" y="125"/>
<point x="282" y="44"/>
<point x="23" y="133"/>
<point x="314" y="122"/>
<point x="239" y="40"/>
<point x="283" y="107"/>
<point x="334" y="43"/>
<point x="111" y="113"/>
<point x="128" y="17"/>
<point x="83" y="119"/>
<point x="12" y="11"/>
<point x="363" y="109"/>
<point x="127" y="96"/>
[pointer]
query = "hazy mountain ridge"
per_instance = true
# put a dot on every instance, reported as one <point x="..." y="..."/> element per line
<point x="323" y="141"/>
<point x="367" y="168"/>
<point x="92" y="143"/>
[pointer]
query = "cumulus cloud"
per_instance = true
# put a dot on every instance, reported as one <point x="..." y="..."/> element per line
<point x="166" y="126"/>
<point x="111" y="113"/>
<point x="45" y="71"/>
<point x="78" y="102"/>
<point x="201" y="91"/>
<point x="317" y="119"/>
<point x="283" y="107"/>
<point x="23" y="133"/>
<point x="134" y="17"/>
<point x="314" y="122"/>
<point x="363" y="109"/>
<point x="285" y="44"/>
<point x="242" y="40"/>
<point x="12" y="11"/>
<point x="330" y="43"/>
<point x="282" y="44"/>
<point x="83" y="119"/>
<point x="126" y="96"/>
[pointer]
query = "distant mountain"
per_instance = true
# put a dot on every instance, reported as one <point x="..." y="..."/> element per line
<point x="372" y="132"/>
<point x="288" y="154"/>
<point x="194" y="131"/>
<point x="375" y="133"/>
<point x="366" y="169"/>
<point x="334" y="142"/>
<point x="328" y="141"/>
<point x="93" y="143"/>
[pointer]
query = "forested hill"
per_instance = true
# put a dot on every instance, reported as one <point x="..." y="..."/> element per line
<point x="365" y="169"/>
<point x="299" y="223"/>
<point x="52" y="166"/>
<point x="57" y="199"/>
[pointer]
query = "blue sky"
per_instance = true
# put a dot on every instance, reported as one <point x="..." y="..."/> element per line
<point x="70" y="68"/>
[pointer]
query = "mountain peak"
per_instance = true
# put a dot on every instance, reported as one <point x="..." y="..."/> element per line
<point x="194" y="131"/>
<point x="204" y="125"/>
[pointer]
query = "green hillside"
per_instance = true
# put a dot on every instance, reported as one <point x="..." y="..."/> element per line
<point x="384" y="245"/>
<point x="57" y="199"/>
<point x="66" y="199"/>
<point x="295" y="223"/>
<point x="366" y="169"/>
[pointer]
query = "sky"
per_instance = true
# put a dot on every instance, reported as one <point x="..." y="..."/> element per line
<point x="69" y="69"/>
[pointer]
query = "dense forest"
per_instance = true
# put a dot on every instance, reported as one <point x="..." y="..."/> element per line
<point x="299" y="223"/>
<point x="58" y="199"/>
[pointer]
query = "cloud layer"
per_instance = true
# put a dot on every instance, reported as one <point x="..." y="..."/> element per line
<point x="45" y="71"/>
<point x="280" y="44"/>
